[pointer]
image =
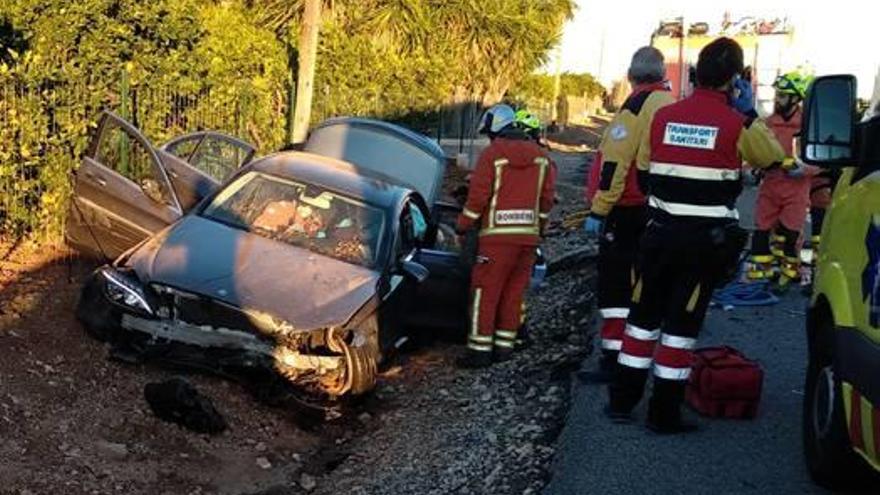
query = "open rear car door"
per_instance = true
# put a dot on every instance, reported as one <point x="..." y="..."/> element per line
<point x="126" y="189"/>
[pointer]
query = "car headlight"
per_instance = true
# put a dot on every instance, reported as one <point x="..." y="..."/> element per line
<point x="120" y="289"/>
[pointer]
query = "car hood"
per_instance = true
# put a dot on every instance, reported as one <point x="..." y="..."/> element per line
<point x="251" y="272"/>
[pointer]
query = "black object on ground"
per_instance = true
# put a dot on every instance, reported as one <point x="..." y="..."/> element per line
<point x="177" y="401"/>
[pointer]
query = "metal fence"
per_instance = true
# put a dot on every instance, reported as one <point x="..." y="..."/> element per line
<point x="45" y="129"/>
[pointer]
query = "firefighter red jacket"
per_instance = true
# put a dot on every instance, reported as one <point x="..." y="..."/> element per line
<point x="511" y="192"/>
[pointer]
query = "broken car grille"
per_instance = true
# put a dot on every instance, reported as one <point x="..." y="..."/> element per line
<point x="196" y="309"/>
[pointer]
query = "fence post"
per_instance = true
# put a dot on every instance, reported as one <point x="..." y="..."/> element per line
<point x="124" y="145"/>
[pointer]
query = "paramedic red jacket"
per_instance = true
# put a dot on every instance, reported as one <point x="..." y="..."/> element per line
<point x="697" y="147"/>
<point x="511" y="192"/>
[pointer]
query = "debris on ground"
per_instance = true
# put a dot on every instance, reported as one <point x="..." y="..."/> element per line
<point x="177" y="401"/>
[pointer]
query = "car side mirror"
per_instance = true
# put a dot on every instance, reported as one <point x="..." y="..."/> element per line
<point x="828" y="135"/>
<point x="413" y="270"/>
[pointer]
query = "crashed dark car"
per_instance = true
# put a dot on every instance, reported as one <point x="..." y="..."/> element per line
<point x="309" y="264"/>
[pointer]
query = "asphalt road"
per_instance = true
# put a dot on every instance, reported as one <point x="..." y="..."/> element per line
<point x="724" y="457"/>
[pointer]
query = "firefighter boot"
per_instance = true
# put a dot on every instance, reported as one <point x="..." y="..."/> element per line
<point x="664" y="409"/>
<point x="604" y="372"/>
<point x="474" y="359"/>
<point x="761" y="261"/>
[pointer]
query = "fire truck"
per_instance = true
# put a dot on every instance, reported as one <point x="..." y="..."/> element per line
<point x="765" y="43"/>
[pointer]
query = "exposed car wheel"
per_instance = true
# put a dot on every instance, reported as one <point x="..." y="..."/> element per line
<point x="830" y="458"/>
<point x="99" y="318"/>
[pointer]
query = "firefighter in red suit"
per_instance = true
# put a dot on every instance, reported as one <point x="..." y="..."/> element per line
<point x="509" y="201"/>
<point x="784" y="196"/>
<point x="618" y="209"/>
<point x="696" y="148"/>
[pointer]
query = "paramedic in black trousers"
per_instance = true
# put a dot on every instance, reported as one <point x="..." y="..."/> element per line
<point x="692" y="181"/>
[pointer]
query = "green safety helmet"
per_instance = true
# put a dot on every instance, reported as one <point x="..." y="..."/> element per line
<point x="793" y="83"/>
<point x="527" y="121"/>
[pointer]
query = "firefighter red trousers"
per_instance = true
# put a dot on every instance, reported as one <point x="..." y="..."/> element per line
<point x="782" y="200"/>
<point x="679" y="267"/>
<point x="498" y="282"/>
<point x="618" y="248"/>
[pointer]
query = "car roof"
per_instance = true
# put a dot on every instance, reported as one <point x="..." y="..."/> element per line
<point x="331" y="173"/>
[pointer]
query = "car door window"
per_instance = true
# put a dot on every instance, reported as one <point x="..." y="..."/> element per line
<point x="218" y="158"/>
<point x="121" y="152"/>
<point x="184" y="148"/>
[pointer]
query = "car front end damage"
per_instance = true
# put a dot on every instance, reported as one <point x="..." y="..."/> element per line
<point x="322" y="362"/>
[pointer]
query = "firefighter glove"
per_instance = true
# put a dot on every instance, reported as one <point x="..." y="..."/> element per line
<point x="743" y="97"/>
<point x="593" y="225"/>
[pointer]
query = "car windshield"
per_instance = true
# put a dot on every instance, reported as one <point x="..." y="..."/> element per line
<point x="302" y="215"/>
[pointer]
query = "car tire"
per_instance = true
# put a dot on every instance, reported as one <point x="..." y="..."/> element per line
<point x="362" y="368"/>
<point x="99" y="318"/>
<point x="830" y="458"/>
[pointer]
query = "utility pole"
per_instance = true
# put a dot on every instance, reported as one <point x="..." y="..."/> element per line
<point x="305" y="82"/>
<point x="601" y="71"/>
<point x="557" y="85"/>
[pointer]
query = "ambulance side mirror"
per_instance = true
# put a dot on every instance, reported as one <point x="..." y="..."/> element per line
<point x="828" y="129"/>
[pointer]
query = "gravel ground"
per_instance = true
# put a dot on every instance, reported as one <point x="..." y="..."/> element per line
<point x="485" y="431"/>
<point x="74" y="422"/>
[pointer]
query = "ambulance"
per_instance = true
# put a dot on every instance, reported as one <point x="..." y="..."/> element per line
<point x="841" y="409"/>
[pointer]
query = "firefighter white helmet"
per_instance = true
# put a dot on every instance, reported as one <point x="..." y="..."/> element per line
<point x="496" y="118"/>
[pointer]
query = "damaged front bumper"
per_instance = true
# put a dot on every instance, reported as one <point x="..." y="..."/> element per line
<point x="317" y="369"/>
<point x="322" y="362"/>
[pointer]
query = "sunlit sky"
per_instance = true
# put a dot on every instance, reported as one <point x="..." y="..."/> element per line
<point x="833" y="37"/>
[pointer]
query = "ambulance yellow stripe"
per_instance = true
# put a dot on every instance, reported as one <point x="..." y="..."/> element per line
<point x="868" y="428"/>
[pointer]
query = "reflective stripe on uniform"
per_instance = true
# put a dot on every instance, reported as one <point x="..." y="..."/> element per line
<point x="642" y="334"/>
<point x="507" y="344"/>
<point x="762" y="258"/>
<point x="631" y="361"/>
<point x="612" y="344"/>
<point x="614" y="312"/>
<point x="509" y="230"/>
<point x="676" y="342"/>
<point x="505" y="334"/>
<point x="668" y="373"/>
<point x="479" y="347"/>
<point x="544" y="216"/>
<point x="475" y="313"/>
<point x="689" y="210"/>
<point x="470" y="214"/>
<point x="692" y="172"/>
<point x="493" y="204"/>
<point x="481" y="339"/>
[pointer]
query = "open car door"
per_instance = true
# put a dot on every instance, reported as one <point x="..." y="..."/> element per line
<point x="213" y="153"/>
<point x="122" y="193"/>
<point x="198" y="163"/>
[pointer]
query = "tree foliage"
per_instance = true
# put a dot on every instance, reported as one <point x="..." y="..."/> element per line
<point x="178" y="65"/>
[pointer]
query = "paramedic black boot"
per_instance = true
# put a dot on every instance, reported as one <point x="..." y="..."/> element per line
<point x="625" y="392"/>
<point x="604" y="372"/>
<point x="664" y="409"/>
